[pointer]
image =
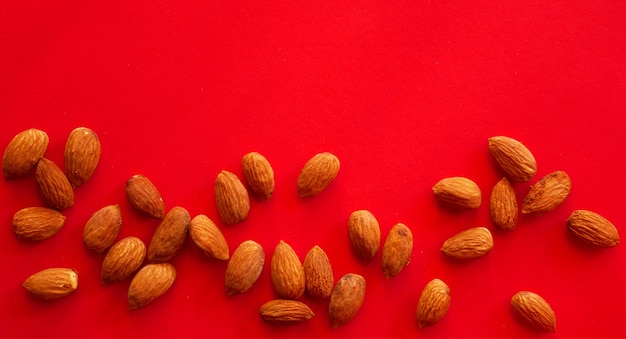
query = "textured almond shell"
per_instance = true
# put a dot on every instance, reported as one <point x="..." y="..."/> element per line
<point x="285" y="312"/>
<point x="593" y="229"/>
<point x="52" y="283"/>
<point x="459" y="192"/>
<point x="151" y="282"/>
<point x="82" y="154"/>
<point x="503" y="205"/>
<point x="37" y="223"/>
<point x="397" y="250"/>
<point x="54" y="188"/>
<point x="102" y="228"/>
<point x="169" y="236"/>
<point x="469" y="244"/>
<point x="231" y="197"/>
<point x="208" y="237"/>
<point x="433" y="303"/>
<point x="143" y="195"/>
<point x="259" y="175"/>
<point x="244" y="267"/>
<point x="287" y="272"/>
<point x="346" y="299"/>
<point x="534" y="311"/>
<point x="123" y="259"/>
<point x="515" y="159"/>
<point x="317" y="174"/>
<point x="364" y="232"/>
<point x="23" y="152"/>
<point x="547" y="194"/>
<point x="318" y="273"/>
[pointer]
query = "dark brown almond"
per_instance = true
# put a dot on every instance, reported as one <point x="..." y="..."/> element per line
<point x="433" y="303"/>
<point x="259" y="175"/>
<point x="346" y="299"/>
<point x="231" y="197"/>
<point x="151" y="282"/>
<point x="52" y="283"/>
<point x="54" y="188"/>
<point x="593" y="229"/>
<point x="397" y="250"/>
<point x="208" y="237"/>
<point x="169" y="236"/>
<point x="503" y="205"/>
<point x="37" y="223"/>
<point x="145" y="197"/>
<point x="82" y="154"/>
<point x="102" y="228"/>
<point x="287" y="272"/>
<point x="318" y="273"/>
<point x="364" y="232"/>
<point x="244" y="267"/>
<point x="317" y="174"/>
<point x="285" y="312"/>
<point x="23" y="152"/>
<point x="547" y="194"/>
<point x="123" y="259"/>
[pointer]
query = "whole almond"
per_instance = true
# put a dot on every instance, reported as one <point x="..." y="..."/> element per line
<point x="169" y="236"/>
<point x="231" y="197"/>
<point x="54" y="188"/>
<point x="534" y="311"/>
<point x="151" y="282"/>
<point x="285" y="312"/>
<point x="123" y="259"/>
<point x="52" y="283"/>
<point x="208" y="237"/>
<point x="433" y="303"/>
<point x="37" y="223"/>
<point x="364" y="232"/>
<point x="23" y="152"/>
<point x="145" y="197"/>
<point x="593" y="229"/>
<point x="287" y="272"/>
<point x="458" y="192"/>
<point x="503" y="205"/>
<point x="346" y="299"/>
<point x="317" y="174"/>
<point x="547" y="193"/>
<point x="259" y="175"/>
<point x="515" y="159"/>
<point x="397" y="250"/>
<point x="102" y="228"/>
<point x="318" y="273"/>
<point x="82" y="154"/>
<point x="244" y="267"/>
<point x="469" y="244"/>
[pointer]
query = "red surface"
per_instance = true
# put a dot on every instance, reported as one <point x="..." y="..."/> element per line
<point x="404" y="93"/>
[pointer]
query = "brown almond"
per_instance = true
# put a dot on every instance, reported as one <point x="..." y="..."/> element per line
<point x="459" y="192"/>
<point x="52" y="283"/>
<point x="169" y="236"/>
<point x="547" y="193"/>
<point x="346" y="299"/>
<point x="317" y="174"/>
<point x="397" y="250"/>
<point x="469" y="244"/>
<point x="54" y="188"/>
<point x="318" y="273"/>
<point x="244" y="267"/>
<point x="123" y="259"/>
<point x="82" y="154"/>
<point x="503" y="205"/>
<point x="145" y="197"/>
<point x="364" y="232"/>
<point x="593" y="229"/>
<point x="151" y="282"/>
<point x="231" y="197"/>
<point x="208" y="237"/>
<point x="433" y="303"/>
<point x="287" y="272"/>
<point x="515" y="159"/>
<point x="37" y="223"/>
<point x="259" y="175"/>
<point x="285" y="312"/>
<point x="23" y="152"/>
<point x="102" y="228"/>
<point x="534" y="311"/>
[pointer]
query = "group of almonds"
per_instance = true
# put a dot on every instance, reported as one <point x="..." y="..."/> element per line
<point x="290" y="277"/>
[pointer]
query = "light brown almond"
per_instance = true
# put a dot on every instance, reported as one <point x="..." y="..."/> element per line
<point x="231" y="197"/>
<point x="318" y="273"/>
<point x="169" y="236"/>
<point x="534" y="311"/>
<point x="317" y="174"/>
<point x="259" y="175"/>
<point x="285" y="312"/>
<point x="37" y="223"/>
<point x="123" y="259"/>
<point x="82" y="154"/>
<point x="346" y="299"/>
<point x="433" y="303"/>
<point x="23" y="152"/>
<point x="54" y="188"/>
<point x="244" y="267"/>
<point x="593" y="229"/>
<point x="547" y="194"/>
<point x="469" y="244"/>
<point x="459" y="192"/>
<point x="515" y="159"/>
<point x="102" y="228"/>
<point x="52" y="283"/>
<point x="287" y="272"/>
<point x="503" y="205"/>
<point x="151" y="282"/>
<point x="208" y="237"/>
<point x="364" y="232"/>
<point x="145" y="197"/>
<point x="397" y="250"/>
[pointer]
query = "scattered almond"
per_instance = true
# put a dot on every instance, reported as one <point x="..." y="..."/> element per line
<point x="52" y="283"/>
<point x="515" y="159"/>
<point x="534" y="311"/>
<point x="318" y="273"/>
<point x="433" y="303"/>
<point x="231" y="197"/>
<point x="208" y="237"/>
<point x="547" y="193"/>
<point x="145" y="197"/>
<point x="151" y="282"/>
<point x="23" y="152"/>
<point x="397" y="250"/>
<point x="285" y="312"/>
<point x="346" y="299"/>
<point x="169" y="236"/>
<point x="37" y="223"/>
<point x="244" y="267"/>
<point x="259" y="175"/>
<point x="459" y="192"/>
<point x="123" y="259"/>
<point x="469" y="244"/>
<point x="102" y="228"/>
<point x="287" y="272"/>
<point x="54" y="188"/>
<point x="503" y="205"/>
<point x="593" y="228"/>
<point x="364" y="232"/>
<point x="317" y="174"/>
<point x="82" y="154"/>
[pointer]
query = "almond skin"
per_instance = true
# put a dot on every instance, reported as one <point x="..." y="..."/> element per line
<point x="433" y="303"/>
<point x="52" y="283"/>
<point x="346" y="299"/>
<point x="102" y="228"/>
<point x="169" y="236"/>
<point x="503" y="205"/>
<point x="145" y="197"/>
<point x="259" y="175"/>
<point x="593" y="229"/>
<point x="287" y="272"/>
<point x="54" y="188"/>
<point x="364" y="232"/>
<point x="318" y="273"/>
<point x="123" y="259"/>
<point x="515" y="159"/>
<point x="317" y="174"/>
<point x="469" y="244"/>
<point x="151" y="282"/>
<point x="208" y="237"/>
<point x="37" y="223"/>
<point x="285" y="312"/>
<point x="459" y="192"/>
<point x="244" y="267"/>
<point x="231" y="197"/>
<point x="547" y="194"/>
<point x="534" y="311"/>
<point x="397" y="250"/>
<point x="23" y="152"/>
<point x="82" y="154"/>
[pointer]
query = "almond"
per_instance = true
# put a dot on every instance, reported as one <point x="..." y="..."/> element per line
<point x="82" y="154"/>
<point x="458" y="192"/>
<point x="547" y="193"/>
<point x="259" y="175"/>
<point x="346" y="299"/>
<point x="151" y="282"/>
<point x="515" y="159"/>
<point x="52" y="283"/>
<point x="54" y="188"/>
<point x="287" y="272"/>
<point x="169" y="236"/>
<point x="364" y="232"/>
<point x="145" y="197"/>
<point x="317" y="174"/>
<point x="244" y="267"/>
<point x="318" y="273"/>
<point x="469" y="244"/>
<point x="503" y="205"/>
<point x="208" y="237"/>
<point x="593" y="229"/>
<point x="285" y="312"/>
<point x="123" y="259"/>
<point x="433" y="303"/>
<point x="23" y="152"/>
<point x="397" y="250"/>
<point x="534" y="311"/>
<point x="231" y="197"/>
<point x="37" y="223"/>
<point x="102" y="228"/>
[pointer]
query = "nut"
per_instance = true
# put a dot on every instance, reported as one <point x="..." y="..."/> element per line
<point x="285" y="312"/>
<point x="208" y="237"/>
<point x="593" y="229"/>
<point x="459" y="192"/>
<point x="102" y="228"/>
<point x="82" y="154"/>
<point x="503" y="205"/>
<point x="151" y="282"/>
<point x="52" y="283"/>
<point x="364" y="232"/>
<point x="346" y="299"/>
<point x="169" y="236"/>
<point x="547" y="193"/>
<point x="244" y="267"/>
<point x="23" y="152"/>
<point x="259" y="175"/>
<point x="318" y="273"/>
<point x="231" y="197"/>
<point x="287" y="272"/>
<point x="123" y="259"/>
<point x="433" y="303"/>
<point x="397" y="250"/>
<point x="145" y="197"/>
<point x="469" y="244"/>
<point x="317" y="174"/>
<point x="37" y="223"/>
<point x="534" y="311"/>
<point x="515" y="159"/>
<point x="54" y="188"/>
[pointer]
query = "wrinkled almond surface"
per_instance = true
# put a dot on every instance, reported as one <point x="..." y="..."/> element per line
<point x="37" y="223"/>
<point x="285" y="312"/>
<point x="433" y="303"/>
<point x="151" y="282"/>
<point x="208" y="237"/>
<point x="244" y="267"/>
<point x="145" y="197"/>
<point x="317" y="174"/>
<point x="547" y="194"/>
<point x="231" y="197"/>
<point x="458" y="192"/>
<point x="23" y="152"/>
<point x="593" y="229"/>
<point x="469" y="244"/>
<point x="503" y="205"/>
<point x="318" y="273"/>
<point x="54" y="188"/>
<point x="287" y="272"/>
<point x="515" y="159"/>
<point x="52" y="283"/>
<point x="169" y="236"/>
<point x="102" y="228"/>
<point x="82" y="154"/>
<point x="123" y="259"/>
<point x="397" y="250"/>
<point x="364" y="232"/>
<point x="259" y="175"/>
<point x="346" y="299"/>
<point x="534" y="311"/>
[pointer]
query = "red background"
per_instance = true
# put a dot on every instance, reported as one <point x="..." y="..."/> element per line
<point x="403" y="92"/>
